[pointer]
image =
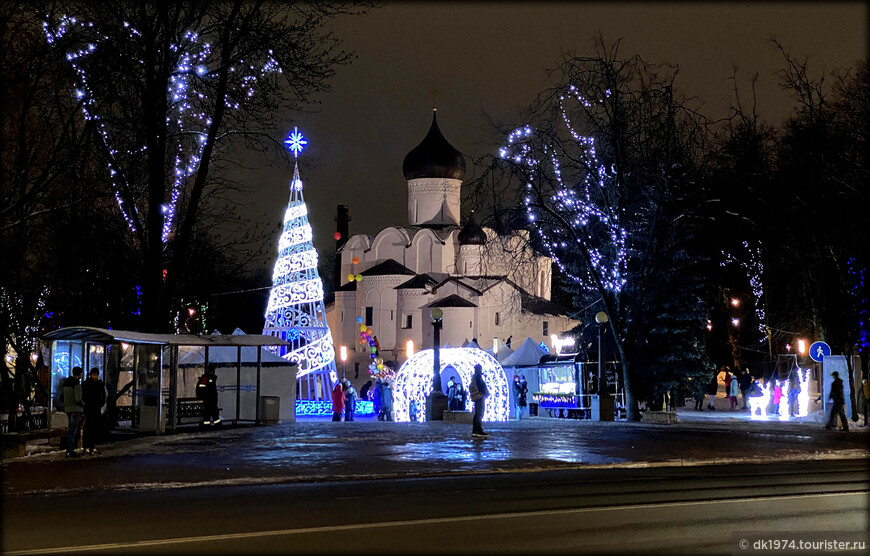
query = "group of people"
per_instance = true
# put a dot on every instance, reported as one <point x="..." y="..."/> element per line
<point x="84" y="404"/>
<point x="344" y="398"/>
<point x="455" y="395"/>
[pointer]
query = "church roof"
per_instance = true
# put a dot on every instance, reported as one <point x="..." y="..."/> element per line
<point x="434" y="157"/>
<point x="452" y="300"/>
<point x="472" y="233"/>
<point x="540" y="306"/>
<point x="388" y="268"/>
<point x="417" y="283"/>
<point x="347" y="287"/>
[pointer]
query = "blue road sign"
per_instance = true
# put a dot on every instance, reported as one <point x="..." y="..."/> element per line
<point x="819" y="350"/>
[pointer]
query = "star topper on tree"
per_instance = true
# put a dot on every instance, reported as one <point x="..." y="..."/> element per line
<point x="295" y="142"/>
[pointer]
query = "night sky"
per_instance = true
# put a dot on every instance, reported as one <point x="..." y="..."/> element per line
<point x="491" y="58"/>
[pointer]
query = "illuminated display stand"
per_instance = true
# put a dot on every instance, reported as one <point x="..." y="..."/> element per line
<point x="564" y="384"/>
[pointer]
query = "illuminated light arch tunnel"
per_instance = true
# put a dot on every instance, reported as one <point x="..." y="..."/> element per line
<point x="414" y="381"/>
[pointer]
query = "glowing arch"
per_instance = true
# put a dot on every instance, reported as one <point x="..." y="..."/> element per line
<point x="414" y="381"/>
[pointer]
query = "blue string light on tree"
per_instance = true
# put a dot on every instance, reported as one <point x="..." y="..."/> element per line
<point x="295" y="310"/>
<point x="574" y="212"/>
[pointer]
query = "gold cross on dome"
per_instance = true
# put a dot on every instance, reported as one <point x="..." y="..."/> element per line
<point x="433" y="93"/>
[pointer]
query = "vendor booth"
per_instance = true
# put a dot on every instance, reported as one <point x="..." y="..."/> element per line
<point x="563" y="385"/>
<point x="141" y="372"/>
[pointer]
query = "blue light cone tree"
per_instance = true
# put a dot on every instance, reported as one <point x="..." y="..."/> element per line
<point x="295" y="311"/>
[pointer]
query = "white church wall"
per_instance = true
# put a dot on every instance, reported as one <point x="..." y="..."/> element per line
<point x="410" y="304"/>
<point x="457" y="326"/>
<point x="356" y="246"/>
<point x="434" y="201"/>
<point x="379" y="293"/>
<point x="390" y="243"/>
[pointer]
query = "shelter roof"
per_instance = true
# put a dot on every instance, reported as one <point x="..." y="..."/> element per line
<point x="103" y="335"/>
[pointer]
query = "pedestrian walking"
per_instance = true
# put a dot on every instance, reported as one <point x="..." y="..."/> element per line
<point x="699" y="392"/>
<point x="838" y="405"/>
<point x="387" y="399"/>
<point x="71" y="390"/>
<point x="732" y="393"/>
<point x="93" y="398"/>
<point x="745" y="384"/>
<point x="777" y="396"/>
<point x="865" y="392"/>
<point x="712" y="389"/>
<point x="478" y="391"/>
<point x="206" y="390"/>
<point x="349" y="400"/>
<point x="337" y="402"/>
<point x="452" y="404"/>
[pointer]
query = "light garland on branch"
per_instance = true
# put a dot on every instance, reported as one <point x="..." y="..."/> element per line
<point x="583" y="203"/>
<point x="187" y="117"/>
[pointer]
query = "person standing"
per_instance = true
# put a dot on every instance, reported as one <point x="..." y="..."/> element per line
<point x="376" y="399"/>
<point x="712" y="389"/>
<point x="206" y="390"/>
<point x="460" y="397"/>
<point x="745" y="384"/>
<point x="478" y="391"/>
<point x="349" y="400"/>
<point x="387" y="399"/>
<point x="520" y="390"/>
<point x="794" y="389"/>
<point x="698" y="394"/>
<point x="838" y="406"/>
<point x="93" y="397"/>
<point x="732" y="393"/>
<point x="337" y="402"/>
<point x="451" y="394"/>
<point x="73" y="407"/>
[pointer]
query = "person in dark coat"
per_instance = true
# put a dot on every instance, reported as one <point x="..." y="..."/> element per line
<point x="712" y="389"/>
<point x="387" y="400"/>
<point x="364" y="391"/>
<point x="93" y="397"/>
<point x="838" y="407"/>
<point x="206" y="390"/>
<point x="337" y="402"/>
<point x="452" y="402"/>
<point x="477" y="390"/>
<point x="71" y="390"/>
<point x="745" y="382"/>
<point x="376" y="399"/>
<point x="349" y="399"/>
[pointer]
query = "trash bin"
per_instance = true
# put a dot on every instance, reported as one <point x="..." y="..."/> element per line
<point x="270" y="409"/>
<point x="533" y="409"/>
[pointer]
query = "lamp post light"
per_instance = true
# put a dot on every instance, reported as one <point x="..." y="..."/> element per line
<point x="602" y="404"/>
<point x="436" y="401"/>
<point x="601" y="318"/>
<point x="342" y="352"/>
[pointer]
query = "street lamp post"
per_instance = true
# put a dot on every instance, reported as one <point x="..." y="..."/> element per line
<point x="602" y="403"/>
<point x="436" y="401"/>
<point x="342" y="352"/>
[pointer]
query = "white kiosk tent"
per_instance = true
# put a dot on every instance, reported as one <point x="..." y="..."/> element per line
<point x="140" y="370"/>
<point x="277" y="378"/>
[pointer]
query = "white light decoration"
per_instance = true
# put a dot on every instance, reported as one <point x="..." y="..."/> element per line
<point x="295" y="311"/>
<point x="758" y="404"/>
<point x="188" y="108"/>
<point x="582" y="203"/>
<point x="414" y="381"/>
<point x="754" y="267"/>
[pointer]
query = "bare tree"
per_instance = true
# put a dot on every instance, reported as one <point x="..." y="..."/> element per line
<point x="172" y="88"/>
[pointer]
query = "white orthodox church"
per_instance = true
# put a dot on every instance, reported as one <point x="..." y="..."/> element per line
<point x="488" y="286"/>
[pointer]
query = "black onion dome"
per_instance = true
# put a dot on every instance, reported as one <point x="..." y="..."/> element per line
<point x="472" y="233"/>
<point x="434" y="157"/>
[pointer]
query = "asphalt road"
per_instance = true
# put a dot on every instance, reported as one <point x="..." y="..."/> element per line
<point x="666" y="510"/>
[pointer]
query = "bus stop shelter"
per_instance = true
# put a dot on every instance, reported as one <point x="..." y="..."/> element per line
<point x="141" y="371"/>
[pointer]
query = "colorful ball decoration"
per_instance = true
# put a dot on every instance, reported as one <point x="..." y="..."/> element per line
<point x="374" y="350"/>
<point x="350" y="277"/>
<point x="370" y="330"/>
<point x="358" y="319"/>
<point x="358" y="277"/>
<point x="356" y="260"/>
<point x="363" y="328"/>
<point x="337" y="236"/>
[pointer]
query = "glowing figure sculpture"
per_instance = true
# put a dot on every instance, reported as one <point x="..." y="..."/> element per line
<point x="414" y="381"/>
<point x="783" y="400"/>
<point x="759" y="403"/>
<point x="295" y="310"/>
<point x="804" y="394"/>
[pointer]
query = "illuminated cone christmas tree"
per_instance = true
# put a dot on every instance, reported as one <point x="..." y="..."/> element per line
<point x="295" y="311"/>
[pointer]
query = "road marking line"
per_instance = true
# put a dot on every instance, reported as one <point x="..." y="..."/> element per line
<point x="404" y="523"/>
